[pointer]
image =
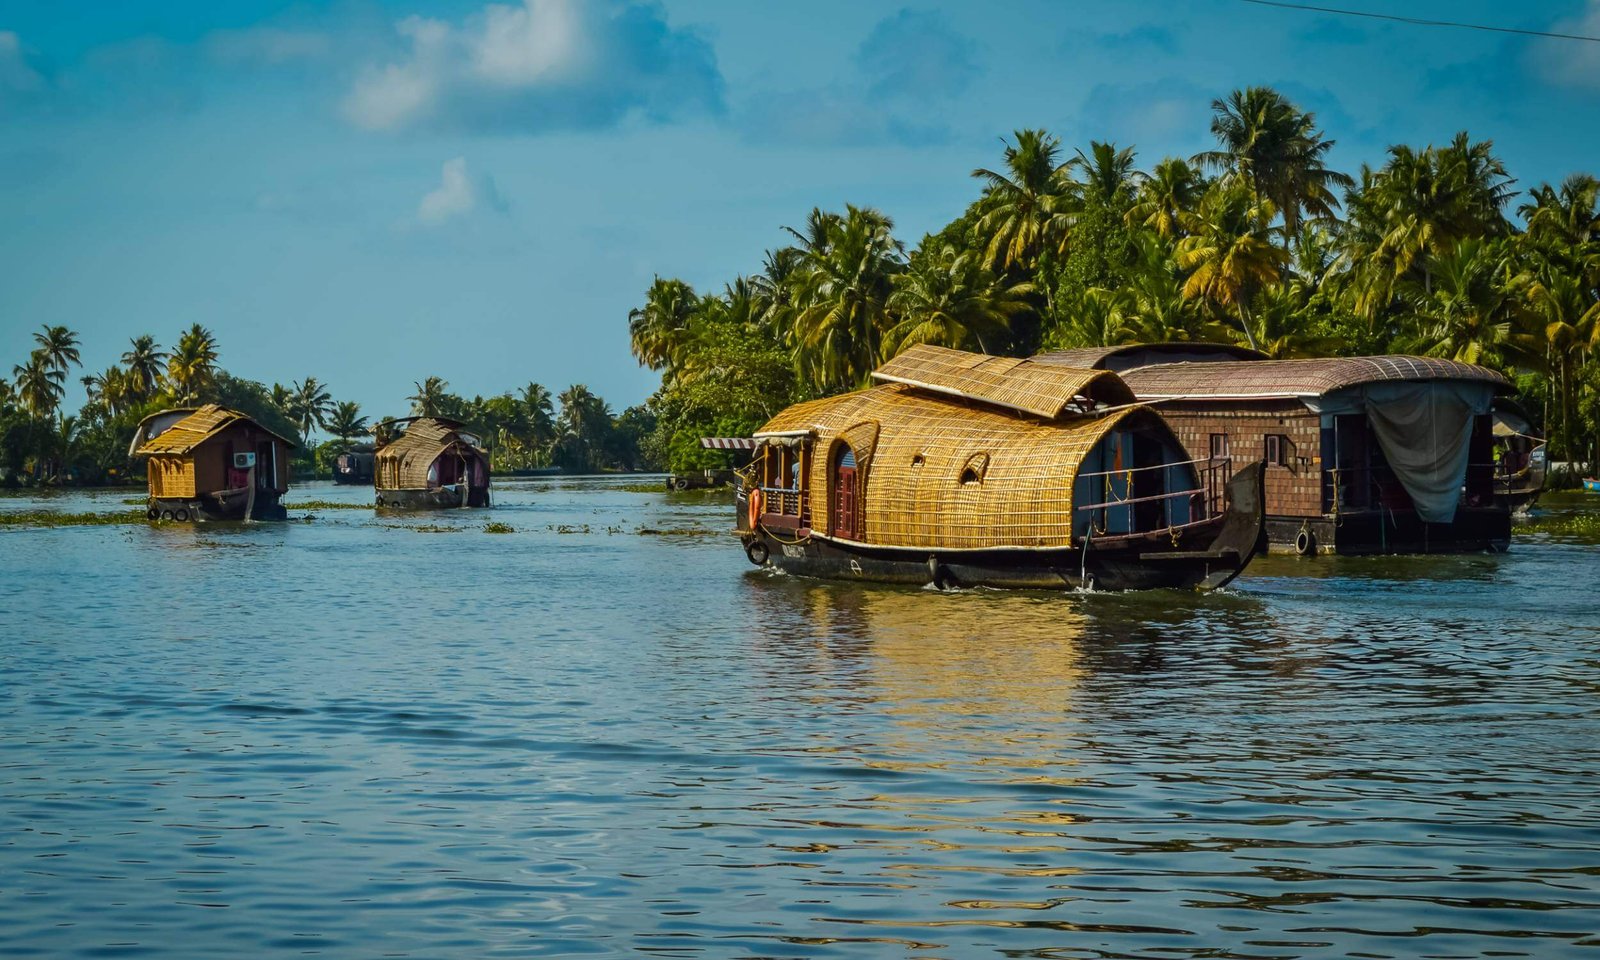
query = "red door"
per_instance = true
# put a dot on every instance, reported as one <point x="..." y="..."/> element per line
<point x="844" y="496"/>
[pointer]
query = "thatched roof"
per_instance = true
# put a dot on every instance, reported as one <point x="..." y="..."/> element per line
<point x="201" y="424"/>
<point x="1129" y="355"/>
<point x="1044" y="390"/>
<point x="415" y="450"/>
<point x="914" y="448"/>
<point x="1273" y="379"/>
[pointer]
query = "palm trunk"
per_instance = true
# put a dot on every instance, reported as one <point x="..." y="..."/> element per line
<point x="1244" y="322"/>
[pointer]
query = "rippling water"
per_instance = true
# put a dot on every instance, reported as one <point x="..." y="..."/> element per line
<point x="606" y="734"/>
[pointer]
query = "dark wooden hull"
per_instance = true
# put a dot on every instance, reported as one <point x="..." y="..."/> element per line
<point x="1368" y="532"/>
<point x="1202" y="556"/>
<point x="216" y="507"/>
<point x="351" y="478"/>
<point x="437" y="498"/>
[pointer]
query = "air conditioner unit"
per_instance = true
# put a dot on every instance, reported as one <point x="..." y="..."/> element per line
<point x="244" y="461"/>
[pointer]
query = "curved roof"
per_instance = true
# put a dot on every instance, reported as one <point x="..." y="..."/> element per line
<point x="1130" y="355"/>
<point x="182" y="436"/>
<point x="1269" y="379"/>
<point x="1042" y="389"/>
<point x="915" y="447"/>
<point x="414" y="451"/>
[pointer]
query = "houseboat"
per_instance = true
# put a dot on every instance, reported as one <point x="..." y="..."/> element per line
<point x="211" y="463"/>
<point x="429" y="463"/>
<point x="354" y="466"/>
<point x="959" y="469"/>
<point x="1388" y="454"/>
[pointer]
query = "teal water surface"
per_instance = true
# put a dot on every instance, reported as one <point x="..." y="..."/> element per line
<point x="605" y="734"/>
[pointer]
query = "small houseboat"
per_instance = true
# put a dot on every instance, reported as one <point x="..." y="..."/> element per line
<point x="959" y="469"/>
<point x="211" y="463"/>
<point x="354" y="466"/>
<point x="429" y="463"/>
<point x="1387" y="454"/>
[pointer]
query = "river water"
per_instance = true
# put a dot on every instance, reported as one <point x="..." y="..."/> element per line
<point x="605" y="734"/>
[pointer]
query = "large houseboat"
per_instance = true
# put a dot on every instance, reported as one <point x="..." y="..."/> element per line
<point x="959" y="469"/>
<point x="212" y="463"/>
<point x="429" y="463"/>
<point x="1386" y="454"/>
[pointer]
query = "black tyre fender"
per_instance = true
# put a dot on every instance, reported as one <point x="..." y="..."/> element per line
<point x="166" y="514"/>
<point x="757" y="553"/>
<point x="153" y="513"/>
<point x="181" y="514"/>
<point x="680" y="483"/>
<point x="1305" y="542"/>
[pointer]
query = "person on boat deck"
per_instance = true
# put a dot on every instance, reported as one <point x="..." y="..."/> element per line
<point x="794" y="475"/>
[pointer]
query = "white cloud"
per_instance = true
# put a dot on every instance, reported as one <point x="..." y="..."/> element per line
<point x="15" y="74"/>
<point x="455" y="195"/>
<point x="538" y="65"/>
<point x="1572" y="63"/>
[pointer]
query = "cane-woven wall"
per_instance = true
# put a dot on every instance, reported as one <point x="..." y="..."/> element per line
<point x="911" y="480"/>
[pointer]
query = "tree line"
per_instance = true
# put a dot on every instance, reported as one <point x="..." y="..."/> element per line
<point x="1257" y="242"/>
<point x="41" y="443"/>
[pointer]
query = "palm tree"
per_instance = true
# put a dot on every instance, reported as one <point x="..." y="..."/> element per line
<point x="38" y="385"/>
<point x="1277" y="150"/>
<point x="1232" y="254"/>
<point x="1470" y="312"/>
<point x="950" y="299"/>
<point x="842" y="296"/>
<point x="1107" y="176"/>
<point x="1167" y="199"/>
<point x="311" y="404"/>
<point x="584" y="422"/>
<point x="1023" y="205"/>
<point x="59" y="347"/>
<point x="345" y="420"/>
<point x="144" y="364"/>
<point x="1568" y="217"/>
<point x="192" y="367"/>
<point x="657" y="328"/>
<point x="1096" y="317"/>
<point x="429" y="398"/>
<point x="109" y="389"/>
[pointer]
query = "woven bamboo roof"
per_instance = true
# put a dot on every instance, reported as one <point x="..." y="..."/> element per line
<point x="914" y="448"/>
<point x="200" y="425"/>
<point x="1269" y="379"/>
<point x="1129" y="355"/>
<point x="416" y="449"/>
<point x="1044" y="390"/>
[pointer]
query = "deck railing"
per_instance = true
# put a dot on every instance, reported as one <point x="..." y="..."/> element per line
<point x="1208" y="499"/>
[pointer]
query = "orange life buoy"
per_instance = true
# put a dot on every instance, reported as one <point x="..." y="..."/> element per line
<point x="755" y="508"/>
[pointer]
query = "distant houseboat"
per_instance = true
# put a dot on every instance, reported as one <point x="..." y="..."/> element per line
<point x="429" y="463"/>
<point x="1519" y="458"/>
<point x="1389" y="454"/>
<point x="211" y="463"/>
<point x="354" y="466"/>
<point x="966" y="470"/>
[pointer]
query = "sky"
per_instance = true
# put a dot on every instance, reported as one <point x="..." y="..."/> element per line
<point x="372" y="192"/>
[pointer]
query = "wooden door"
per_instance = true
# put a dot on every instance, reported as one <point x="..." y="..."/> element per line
<point x="845" y="508"/>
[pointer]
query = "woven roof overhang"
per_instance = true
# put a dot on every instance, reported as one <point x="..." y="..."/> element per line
<point x="913" y="494"/>
<point x="1269" y="379"/>
<point x="204" y="423"/>
<point x="1041" y="389"/>
<point x="1098" y="358"/>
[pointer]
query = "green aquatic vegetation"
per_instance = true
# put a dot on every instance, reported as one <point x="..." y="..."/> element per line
<point x="495" y="526"/>
<point x="1580" y="525"/>
<point x="323" y="505"/>
<point x="53" y="518"/>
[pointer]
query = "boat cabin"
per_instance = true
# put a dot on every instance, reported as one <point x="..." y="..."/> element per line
<point x="1388" y="454"/>
<point x="993" y="470"/>
<point x="211" y="463"/>
<point x="429" y="462"/>
<point x="354" y="466"/>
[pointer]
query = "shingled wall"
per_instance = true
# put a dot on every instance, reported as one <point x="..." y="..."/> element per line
<point x="1293" y="489"/>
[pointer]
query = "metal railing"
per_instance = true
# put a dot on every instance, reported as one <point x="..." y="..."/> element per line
<point x="1207" y="500"/>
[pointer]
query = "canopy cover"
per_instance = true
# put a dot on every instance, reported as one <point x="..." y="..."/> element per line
<point x="1424" y="429"/>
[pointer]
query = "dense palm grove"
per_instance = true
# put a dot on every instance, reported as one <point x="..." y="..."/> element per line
<point x="40" y="443"/>
<point x="1258" y="242"/>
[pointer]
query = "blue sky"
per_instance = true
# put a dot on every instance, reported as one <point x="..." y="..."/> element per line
<point x="374" y="191"/>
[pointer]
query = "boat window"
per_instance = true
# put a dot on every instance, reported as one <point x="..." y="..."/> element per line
<point x="918" y="460"/>
<point x="976" y="466"/>
<point x="1219" y="446"/>
<point x="1275" y="449"/>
